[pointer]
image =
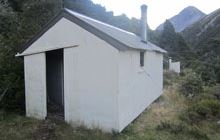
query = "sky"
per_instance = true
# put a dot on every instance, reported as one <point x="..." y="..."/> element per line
<point x="158" y="10"/>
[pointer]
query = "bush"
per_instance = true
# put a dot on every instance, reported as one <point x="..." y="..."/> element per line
<point x="11" y="68"/>
<point x="213" y="92"/>
<point x="197" y="133"/>
<point x="191" y="84"/>
<point x="169" y="77"/>
<point x="11" y="81"/>
<point x="207" y="72"/>
<point x="172" y="127"/>
<point x="202" y="110"/>
<point x="180" y="128"/>
<point x="16" y="29"/>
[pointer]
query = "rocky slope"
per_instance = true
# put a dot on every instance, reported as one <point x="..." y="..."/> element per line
<point x="204" y="30"/>
<point x="185" y="18"/>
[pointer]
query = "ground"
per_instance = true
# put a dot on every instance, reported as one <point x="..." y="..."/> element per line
<point x="160" y="121"/>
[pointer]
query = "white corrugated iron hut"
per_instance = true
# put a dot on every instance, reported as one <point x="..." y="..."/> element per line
<point x="91" y="73"/>
<point x="174" y="66"/>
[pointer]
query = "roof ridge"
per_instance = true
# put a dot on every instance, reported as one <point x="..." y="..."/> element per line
<point x="96" y="20"/>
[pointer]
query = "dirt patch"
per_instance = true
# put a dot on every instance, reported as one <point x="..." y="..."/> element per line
<point x="45" y="131"/>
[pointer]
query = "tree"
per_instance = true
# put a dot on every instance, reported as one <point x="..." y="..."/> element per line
<point x="16" y="27"/>
<point x="168" y="37"/>
<point x="175" y="44"/>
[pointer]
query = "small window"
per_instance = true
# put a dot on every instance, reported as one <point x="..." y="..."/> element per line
<point x="141" y="59"/>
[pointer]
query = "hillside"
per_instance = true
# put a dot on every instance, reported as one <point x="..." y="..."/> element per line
<point x="204" y="39"/>
<point x="204" y="30"/>
<point x="185" y="18"/>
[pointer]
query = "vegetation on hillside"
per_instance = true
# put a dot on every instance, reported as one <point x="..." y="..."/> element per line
<point x="18" y="23"/>
<point x="174" y="44"/>
<point x="204" y="39"/>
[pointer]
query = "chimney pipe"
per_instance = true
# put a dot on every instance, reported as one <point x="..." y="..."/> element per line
<point x="144" y="23"/>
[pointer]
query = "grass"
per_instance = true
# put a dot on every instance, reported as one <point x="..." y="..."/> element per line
<point x="160" y="121"/>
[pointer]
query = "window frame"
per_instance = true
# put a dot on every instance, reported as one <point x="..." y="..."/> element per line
<point x="142" y="56"/>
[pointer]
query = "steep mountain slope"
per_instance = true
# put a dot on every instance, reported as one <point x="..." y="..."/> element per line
<point x="203" y="30"/>
<point x="185" y="18"/>
<point x="204" y="37"/>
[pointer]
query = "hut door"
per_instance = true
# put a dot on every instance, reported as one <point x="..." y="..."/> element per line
<point x="55" y="90"/>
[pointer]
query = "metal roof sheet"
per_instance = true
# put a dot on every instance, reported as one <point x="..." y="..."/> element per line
<point x="118" y="38"/>
<point x="129" y="39"/>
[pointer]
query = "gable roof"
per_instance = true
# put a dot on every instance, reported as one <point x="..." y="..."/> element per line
<point x="118" y="38"/>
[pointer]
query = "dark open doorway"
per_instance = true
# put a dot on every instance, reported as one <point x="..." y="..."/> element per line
<point x="55" y="90"/>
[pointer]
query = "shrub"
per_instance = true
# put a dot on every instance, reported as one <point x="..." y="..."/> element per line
<point x="213" y="106"/>
<point x="11" y="81"/>
<point x="191" y="84"/>
<point x="169" y="77"/>
<point x="204" y="109"/>
<point x="182" y="127"/>
<point x="11" y="68"/>
<point x="213" y="92"/>
<point x="172" y="127"/>
<point x="15" y="30"/>
<point x="207" y="73"/>
<point x="197" y="133"/>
